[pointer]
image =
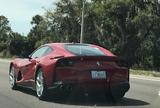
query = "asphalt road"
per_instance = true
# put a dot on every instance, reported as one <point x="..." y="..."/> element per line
<point x="142" y="94"/>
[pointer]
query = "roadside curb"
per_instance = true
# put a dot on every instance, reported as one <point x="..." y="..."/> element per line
<point x="141" y="77"/>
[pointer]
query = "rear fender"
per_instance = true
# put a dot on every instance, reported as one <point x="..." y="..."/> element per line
<point x="48" y="72"/>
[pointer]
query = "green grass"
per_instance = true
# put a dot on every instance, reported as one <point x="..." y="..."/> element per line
<point x="145" y="73"/>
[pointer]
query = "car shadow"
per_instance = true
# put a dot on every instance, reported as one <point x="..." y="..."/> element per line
<point x="26" y="90"/>
<point x="87" y="100"/>
<point x="99" y="100"/>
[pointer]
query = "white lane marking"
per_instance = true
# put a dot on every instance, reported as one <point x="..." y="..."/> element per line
<point x="146" y="78"/>
<point x="159" y="93"/>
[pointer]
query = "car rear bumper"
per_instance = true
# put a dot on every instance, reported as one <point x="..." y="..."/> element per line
<point x="79" y="87"/>
<point x="66" y="88"/>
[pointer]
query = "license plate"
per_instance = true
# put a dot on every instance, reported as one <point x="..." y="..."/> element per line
<point x="98" y="74"/>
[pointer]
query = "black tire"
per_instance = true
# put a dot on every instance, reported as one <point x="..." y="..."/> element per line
<point x="116" y="94"/>
<point x="40" y="86"/>
<point x="12" y="78"/>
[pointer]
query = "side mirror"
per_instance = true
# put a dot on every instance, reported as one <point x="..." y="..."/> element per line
<point x="33" y="61"/>
<point x="29" y="57"/>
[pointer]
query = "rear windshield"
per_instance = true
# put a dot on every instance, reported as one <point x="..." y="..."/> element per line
<point x="83" y="50"/>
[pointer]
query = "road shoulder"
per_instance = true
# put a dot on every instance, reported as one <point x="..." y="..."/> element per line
<point x="141" y="77"/>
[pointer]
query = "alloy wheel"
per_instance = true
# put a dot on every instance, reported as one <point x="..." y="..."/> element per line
<point x="12" y="80"/>
<point x="39" y="84"/>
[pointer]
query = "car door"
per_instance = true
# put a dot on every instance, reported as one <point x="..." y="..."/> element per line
<point x="29" y="68"/>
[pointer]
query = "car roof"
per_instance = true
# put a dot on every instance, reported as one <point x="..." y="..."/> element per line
<point x="62" y="44"/>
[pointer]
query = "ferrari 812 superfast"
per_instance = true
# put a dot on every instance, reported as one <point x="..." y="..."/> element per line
<point x="62" y="67"/>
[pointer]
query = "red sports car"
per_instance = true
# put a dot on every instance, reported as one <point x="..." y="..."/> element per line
<point x="64" y="66"/>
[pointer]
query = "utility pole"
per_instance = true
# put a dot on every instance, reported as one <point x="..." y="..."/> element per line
<point x="82" y="23"/>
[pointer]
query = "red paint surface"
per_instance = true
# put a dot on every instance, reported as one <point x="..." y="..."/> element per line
<point x="79" y="73"/>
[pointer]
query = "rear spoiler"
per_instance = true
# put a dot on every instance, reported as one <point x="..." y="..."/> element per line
<point x="82" y="58"/>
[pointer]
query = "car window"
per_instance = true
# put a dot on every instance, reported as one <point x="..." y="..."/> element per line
<point x="48" y="50"/>
<point x="83" y="50"/>
<point x="42" y="51"/>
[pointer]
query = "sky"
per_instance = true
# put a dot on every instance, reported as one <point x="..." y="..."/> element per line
<point x="20" y="12"/>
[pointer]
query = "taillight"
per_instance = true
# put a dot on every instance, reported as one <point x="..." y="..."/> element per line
<point x="121" y="75"/>
<point x="65" y="63"/>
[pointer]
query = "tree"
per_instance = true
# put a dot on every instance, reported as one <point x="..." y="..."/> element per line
<point x="39" y="31"/>
<point x="65" y="21"/>
<point x="5" y="30"/>
<point x="129" y="28"/>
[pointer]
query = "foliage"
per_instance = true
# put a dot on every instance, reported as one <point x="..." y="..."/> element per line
<point x="129" y="28"/>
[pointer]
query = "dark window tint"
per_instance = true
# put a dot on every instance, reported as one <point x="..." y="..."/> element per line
<point x="42" y="51"/>
<point x="83" y="50"/>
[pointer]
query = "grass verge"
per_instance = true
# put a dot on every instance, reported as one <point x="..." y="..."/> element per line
<point x="145" y="73"/>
